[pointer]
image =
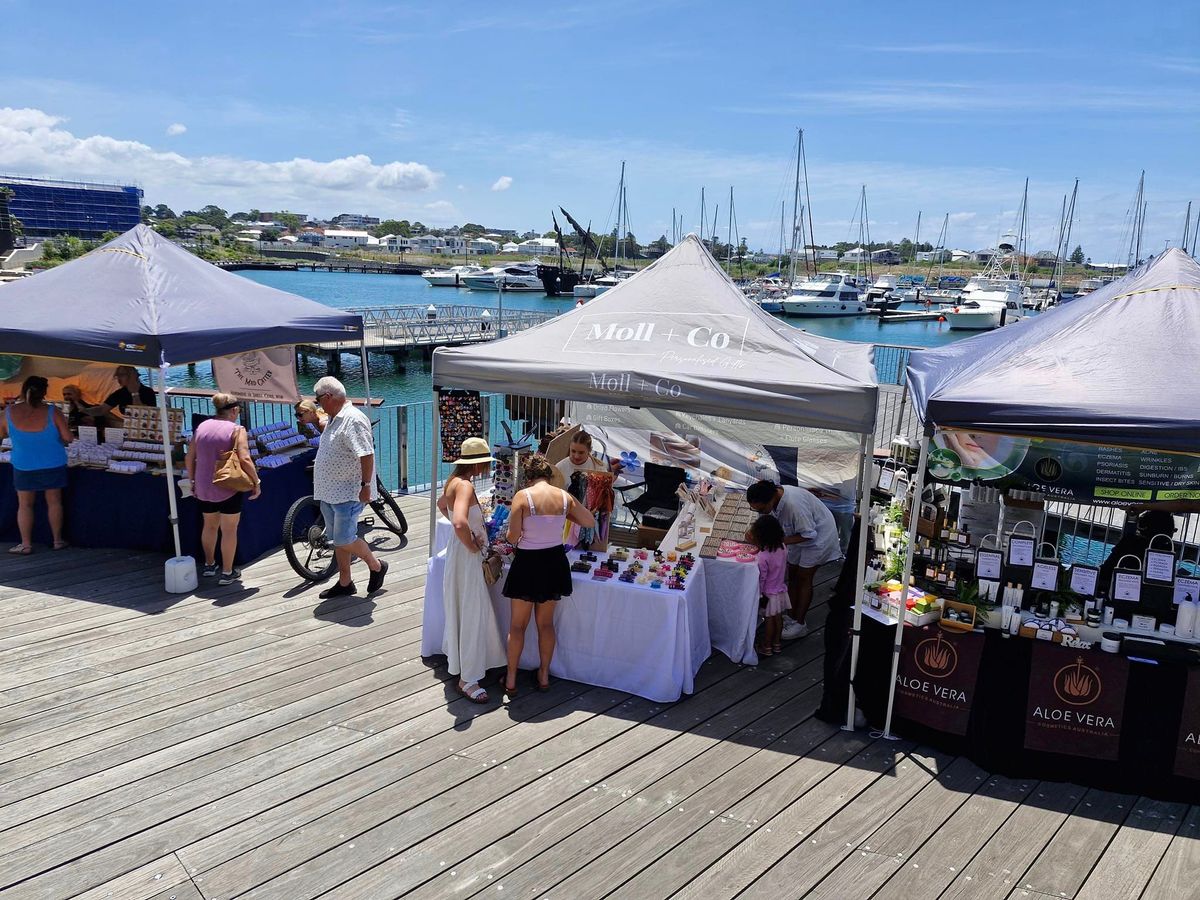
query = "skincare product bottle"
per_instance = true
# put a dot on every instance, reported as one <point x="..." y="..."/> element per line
<point x="1014" y="625"/>
<point x="1185" y="619"/>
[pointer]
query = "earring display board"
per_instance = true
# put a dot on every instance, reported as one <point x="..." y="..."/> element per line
<point x="460" y="414"/>
<point x="144" y="423"/>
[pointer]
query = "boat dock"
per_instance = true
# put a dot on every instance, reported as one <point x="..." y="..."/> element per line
<point x="254" y="739"/>
<point x="398" y="330"/>
<point x="895" y="316"/>
<point x="329" y="265"/>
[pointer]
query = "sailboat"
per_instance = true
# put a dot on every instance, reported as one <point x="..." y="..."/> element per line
<point x="995" y="297"/>
<point x="594" y="287"/>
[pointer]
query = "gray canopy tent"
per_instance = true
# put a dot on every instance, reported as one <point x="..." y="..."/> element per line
<point x="679" y="335"/>
<point x="1105" y="368"/>
<point x="140" y="300"/>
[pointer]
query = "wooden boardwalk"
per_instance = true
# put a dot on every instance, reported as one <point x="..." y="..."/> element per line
<point x="256" y="742"/>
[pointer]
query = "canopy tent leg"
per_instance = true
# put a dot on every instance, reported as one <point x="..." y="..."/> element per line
<point x="166" y="441"/>
<point x="914" y="513"/>
<point x="362" y="350"/>
<point x="867" y="447"/>
<point x="433" y="471"/>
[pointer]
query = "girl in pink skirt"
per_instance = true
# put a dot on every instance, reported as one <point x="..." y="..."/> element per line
<point x="767" y="535"/>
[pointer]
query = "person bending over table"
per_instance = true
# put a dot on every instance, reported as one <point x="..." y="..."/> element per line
<point x="471" y="640"/>
<point x="810" y="536"/>
<point x="344" y="482"/>
<point x="39" y="436"/>
<point x="308" y="413"/>
<point x="130" y="393"/>
<point x="581" y="459"/>
<point x="220" y="507"/>
<point x="540" y="574"/>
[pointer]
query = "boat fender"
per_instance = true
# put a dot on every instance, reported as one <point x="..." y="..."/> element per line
<point x="843" y="306"/>
<point x="941" y="318"/>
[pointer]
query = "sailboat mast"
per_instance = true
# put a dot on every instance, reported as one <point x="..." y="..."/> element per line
<point x="729" y="248"/>
<point x="782" y="213"/>
<point x="1187" y="221"/>
<point x="796" y="211"/>
<point x="1070" y="220"/>
<point x="808" y="206"/>
<point x="703" y="214"/>
<point x="864" y="228"/>
<point x="1022" y="249"/>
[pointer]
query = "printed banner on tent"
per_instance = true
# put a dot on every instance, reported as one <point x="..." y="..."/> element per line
<point x="460" y="414"/>
<point x="1077" y="473"/>
<point x="1187" y="750"/>
<point x="1076" y="702"/>
<point x="731" y="450"/>
<point x="935" y="682"/>
<point x="268" y="375"/>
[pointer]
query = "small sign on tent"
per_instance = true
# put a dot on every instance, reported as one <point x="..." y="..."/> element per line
<point x="268" y="375"/>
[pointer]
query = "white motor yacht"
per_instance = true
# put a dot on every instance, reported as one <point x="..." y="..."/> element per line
<point x="825" y="296"/>
<point x="515" y="277"/>
<point x="986" y="303"/>
<point x="597" y="286"/>
<point x="883" y="285"/>
<point x="451" y="277"/>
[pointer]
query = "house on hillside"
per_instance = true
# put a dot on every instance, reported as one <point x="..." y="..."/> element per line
<point x="855" y="254"/>
<point x="984" y="256"/>
<point x="482" y="247"/>
<point x="344" y="239"/>
<point x="961" y="256"/>
<point x="538" y="246"/>
<point x="885" y="256"/>
<point x="510" y="247"/>
<point x="941" y="254"/>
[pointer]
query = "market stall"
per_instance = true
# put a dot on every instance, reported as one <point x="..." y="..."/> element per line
<point x="1035" y="650"/>
<point x="681" y="342"/>
<point x="142" y="301"/>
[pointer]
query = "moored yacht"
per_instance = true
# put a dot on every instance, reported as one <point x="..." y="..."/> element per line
<point x="883" y="286"/>
<point x="824" y="296"/>
<point x="451" y="277"/>
<point x="514" y="277"/>
<point x="986" y="303"/>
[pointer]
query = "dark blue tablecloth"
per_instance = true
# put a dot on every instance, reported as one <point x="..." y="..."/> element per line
<point x="106" y="509"/>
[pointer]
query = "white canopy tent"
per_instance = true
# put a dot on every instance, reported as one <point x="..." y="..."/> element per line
<point x="681" y="336"/>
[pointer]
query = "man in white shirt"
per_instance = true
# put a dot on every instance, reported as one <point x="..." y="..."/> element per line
<point x="344" y="482"/>
<point x="810" y="536"/>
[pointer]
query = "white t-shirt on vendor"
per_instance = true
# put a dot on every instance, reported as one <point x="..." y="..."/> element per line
<point x="337" y="473"/>
<point x="800" y="512"/>
<point x="568" y="468"/>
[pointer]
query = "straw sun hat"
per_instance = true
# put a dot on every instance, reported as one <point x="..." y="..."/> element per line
<point x="474" y="451"/>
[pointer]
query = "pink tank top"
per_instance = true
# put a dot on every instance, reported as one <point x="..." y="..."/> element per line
<point x="541" y="532"/>
<point x="212" y="438"/>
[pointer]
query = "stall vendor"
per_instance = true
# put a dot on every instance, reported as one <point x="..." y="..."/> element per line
<point x="77" y="414"/>
<point x="130" y="393"/>
<point x="810" y="536"/>
<point x="581" y="459"/>
<point x="1150" y="524"/>
<point x="308" y="413"/>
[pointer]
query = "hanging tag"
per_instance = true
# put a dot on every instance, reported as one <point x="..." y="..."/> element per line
<point x="987" y="564"/>
<point x="1160" y="567"/>
<point x="1127" y="586"/>
<point x="1045" y="576"/>
<point x="1020" y="551"/>
<point x="1083" y="580"/>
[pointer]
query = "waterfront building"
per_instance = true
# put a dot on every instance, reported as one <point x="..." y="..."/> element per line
<point x="537" y="246"/>
<point x="482" y="247"/>
<point x="347" y="239"/>
<point x="78" y="208"/>
<point x="354" y="220"/>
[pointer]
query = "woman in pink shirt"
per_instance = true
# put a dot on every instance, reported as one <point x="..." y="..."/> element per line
<point x="767" y="535"/>
<point x="220" y="507"/>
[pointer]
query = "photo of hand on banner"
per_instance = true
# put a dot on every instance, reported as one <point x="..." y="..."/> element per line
<point x="966" y="455"/>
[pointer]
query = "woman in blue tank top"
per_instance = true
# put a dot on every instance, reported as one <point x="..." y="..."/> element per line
<point x="39" y="436"/>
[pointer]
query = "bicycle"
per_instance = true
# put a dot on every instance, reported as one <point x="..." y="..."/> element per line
<point x="309" y="550"/>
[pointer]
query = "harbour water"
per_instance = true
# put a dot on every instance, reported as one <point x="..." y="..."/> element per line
<point x="343" y="290"/>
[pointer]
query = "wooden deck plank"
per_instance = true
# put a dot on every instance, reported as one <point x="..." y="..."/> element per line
<point x="1080" y="841"/>
<point x="142" y="883"/>
<point x="1133" y="855"/>
<point x="1179" y="870"/>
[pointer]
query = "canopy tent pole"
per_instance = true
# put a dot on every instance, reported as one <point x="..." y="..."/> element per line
<point x="166" y="441"/>
<point x="433" y="470"/>
<point x="362" y="349"/>
<point x="914" y="513"/>
<point x="867" y="445"/>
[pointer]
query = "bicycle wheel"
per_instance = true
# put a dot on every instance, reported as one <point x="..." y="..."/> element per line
<point x="389" y="510"/>
<point x="308" y="550"/>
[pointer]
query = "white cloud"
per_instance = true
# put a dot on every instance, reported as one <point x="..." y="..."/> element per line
<point x="503" y="183"/>
<point x="175" y="129"/>
<point x="32" y="142"/>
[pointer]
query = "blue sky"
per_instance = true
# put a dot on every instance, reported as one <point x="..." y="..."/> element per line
<point x="470" y="112"/>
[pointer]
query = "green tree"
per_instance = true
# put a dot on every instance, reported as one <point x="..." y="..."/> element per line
<point x="1077" y="255"/>
<point x="108" y="236"/>
<point x="269" y="234"/>
<point x="417" y="228"/>
<point x="472" y="229"/>
<point x="162" y="211"/>
<point x="167" y="228"/>
<point x="662" y="245"/>
<point x="905" y="249"/>
<point x="291" y="220"/>
<point x="147" y="212"/>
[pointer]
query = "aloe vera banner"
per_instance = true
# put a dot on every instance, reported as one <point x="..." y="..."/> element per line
<point x="1076" y="702"/>
<point x="1187" y="750"/>
<point x="1078" y="473"/>
<point x="935" y="681"/>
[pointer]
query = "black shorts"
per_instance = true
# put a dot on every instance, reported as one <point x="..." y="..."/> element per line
<point x="229" y="507"/>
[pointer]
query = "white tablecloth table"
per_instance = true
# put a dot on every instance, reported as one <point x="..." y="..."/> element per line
<point x="610" y="634"/>
<point x="732" y="589"/>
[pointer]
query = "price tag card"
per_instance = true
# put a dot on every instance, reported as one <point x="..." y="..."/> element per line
<point x="87" y="434"/>
<point x="1127" y="586"/>
<point x="1020" y="551"/>
<point x="1045" y="576"/>
<point x="1083" y="580"/>
<point x="114" y="436"/>
<point x="887" y="477"/>
<point x="1160" y="566"/>
<point x="987" y="564"/>
<point x="1186" y="589"/>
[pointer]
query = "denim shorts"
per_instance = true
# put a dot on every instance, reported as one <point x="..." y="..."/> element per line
<point x="341" y="521"/>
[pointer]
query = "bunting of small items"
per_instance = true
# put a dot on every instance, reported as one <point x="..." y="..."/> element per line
<point x="461" y="416"/>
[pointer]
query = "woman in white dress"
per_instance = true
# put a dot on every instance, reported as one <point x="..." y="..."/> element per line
<point x="471" y="640"/>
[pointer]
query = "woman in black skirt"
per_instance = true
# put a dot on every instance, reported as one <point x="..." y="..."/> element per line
<point x="539" y="575"/>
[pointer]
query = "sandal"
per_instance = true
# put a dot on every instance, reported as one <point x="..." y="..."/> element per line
<point x="510" y="692"/>
<point x="20" y="550"/>
<point x="473" y="692"/>
<point x="60" y="545"/>
<point x="764" y="651"/>
<point x="544" y="687"/>
<point x="777" y="647"/>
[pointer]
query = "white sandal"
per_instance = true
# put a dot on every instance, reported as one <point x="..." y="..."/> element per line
<point x="473" y="692"/>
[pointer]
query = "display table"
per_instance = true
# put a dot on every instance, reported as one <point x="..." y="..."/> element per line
<point x="732" y="589"/>
<point x="995" y="734"/>
<point x="107" y="509"/>
<point x="611" y="634"/>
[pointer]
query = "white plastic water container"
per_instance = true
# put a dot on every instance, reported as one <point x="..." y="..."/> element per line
<point x="180" y="574"/>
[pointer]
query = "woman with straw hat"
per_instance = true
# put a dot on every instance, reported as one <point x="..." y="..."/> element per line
<point x="471" y="640"/>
